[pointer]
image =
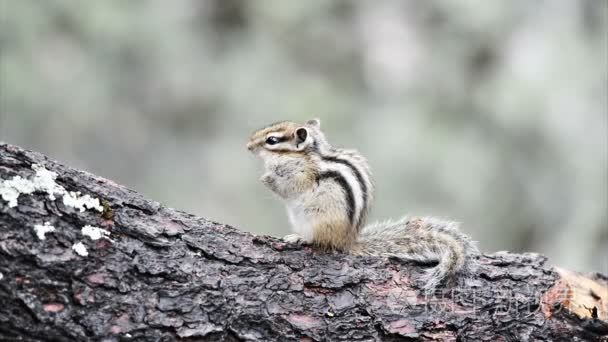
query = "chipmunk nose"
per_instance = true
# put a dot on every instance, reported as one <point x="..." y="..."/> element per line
<point x="250" y="146"/>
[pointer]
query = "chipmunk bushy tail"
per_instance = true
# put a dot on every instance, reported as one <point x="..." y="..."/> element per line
<point x="422" y="240"/>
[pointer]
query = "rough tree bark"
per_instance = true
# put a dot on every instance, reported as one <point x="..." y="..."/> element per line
<point x="167" y="275"/>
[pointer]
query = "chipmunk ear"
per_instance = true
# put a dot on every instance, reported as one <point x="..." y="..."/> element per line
<point x="301" y="135"/>
<point x="314" y="122"/>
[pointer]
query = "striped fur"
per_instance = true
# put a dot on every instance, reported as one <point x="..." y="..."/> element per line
<point x="328" y="193"/>
<point x="348" y="168"/>
<point x="348" y="191"/>
<point x="353" y="166"/>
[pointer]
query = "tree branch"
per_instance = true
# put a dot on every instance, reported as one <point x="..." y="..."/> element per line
<point x="165" y="274"/>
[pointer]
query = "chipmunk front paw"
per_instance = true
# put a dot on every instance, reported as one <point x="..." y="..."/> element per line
<point x="293" y="238"/>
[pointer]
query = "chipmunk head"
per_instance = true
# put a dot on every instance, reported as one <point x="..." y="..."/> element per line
<point x="286" y="136"/>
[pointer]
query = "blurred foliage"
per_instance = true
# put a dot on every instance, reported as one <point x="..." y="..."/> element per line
<point x="493" y="113"/>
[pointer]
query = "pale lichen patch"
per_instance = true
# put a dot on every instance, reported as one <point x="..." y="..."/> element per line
<point x="9" y="194"/>
<point x="41" y="230"/>
<point x="73" y="199"/>
<point x="80" y="249"/>
<point x="44" y="181"/>
<point x="95" y="233"/>
<point x="10" y="189"/>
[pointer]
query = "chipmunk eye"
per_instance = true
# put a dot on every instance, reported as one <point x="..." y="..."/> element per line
<point x="272" y="140"/>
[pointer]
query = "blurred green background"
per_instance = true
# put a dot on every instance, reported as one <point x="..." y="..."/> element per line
<point x="492" y="113"/>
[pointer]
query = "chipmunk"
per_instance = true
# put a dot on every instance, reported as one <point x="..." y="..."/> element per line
<point x="328" y="192"/>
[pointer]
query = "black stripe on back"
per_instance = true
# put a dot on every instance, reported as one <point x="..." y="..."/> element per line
<point x="348" y="191"/>
<point x="357" y="174"/>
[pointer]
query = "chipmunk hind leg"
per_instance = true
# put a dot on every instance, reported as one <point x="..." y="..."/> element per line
<point x="335" y="235"/>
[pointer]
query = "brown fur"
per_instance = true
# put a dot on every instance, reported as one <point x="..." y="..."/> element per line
<point x="321" y="207"/>
<point x="259" y="137"/>
<point x="334" y="235"/>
